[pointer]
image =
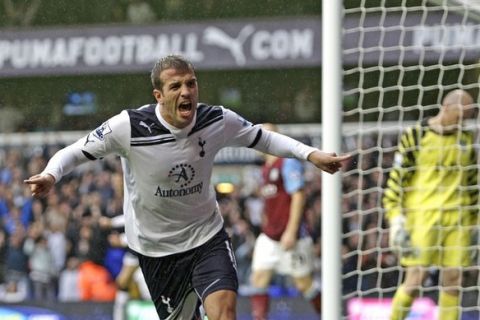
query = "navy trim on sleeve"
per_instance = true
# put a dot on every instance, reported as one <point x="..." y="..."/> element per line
<point x="88" y="155"/>
<point x="257" y="138"/>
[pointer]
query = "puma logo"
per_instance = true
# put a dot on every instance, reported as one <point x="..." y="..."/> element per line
<point x="88" y="140"/>
<point x="149" y="127"/>
<point x="167" y="302"/>
<point x="218" y="37"/>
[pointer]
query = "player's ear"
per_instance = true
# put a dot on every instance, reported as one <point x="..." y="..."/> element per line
<point x="158" y="95"/>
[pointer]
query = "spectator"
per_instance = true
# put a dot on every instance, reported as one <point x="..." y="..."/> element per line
<point x="254" y="210"/>
<point x="243" y="241"/>
<point x="57" y="244"/>
<point x="16" y="267"/>
<point x="95" y="282"/>
<point x="3" y="252"/>
<point x="42" y="267"/>
<point x="68" y="282"/>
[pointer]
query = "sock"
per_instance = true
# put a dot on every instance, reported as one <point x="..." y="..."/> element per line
<point x="260" y="305"/>
<point x="314" y="296"/>
<point x="448" y="306"/>
<point x="317" y="302"/>
<point x="121" y="299"/>
<point x="401" y="304"/>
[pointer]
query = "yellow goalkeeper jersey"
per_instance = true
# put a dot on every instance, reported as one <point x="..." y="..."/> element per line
<point x="432" y="171"/>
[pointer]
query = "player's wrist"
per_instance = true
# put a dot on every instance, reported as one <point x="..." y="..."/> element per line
<point x="309" y="152"/>
<point x="49" y="176"/>
<point x="399" y="237"/>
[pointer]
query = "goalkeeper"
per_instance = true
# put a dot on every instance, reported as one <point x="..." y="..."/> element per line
<point x="430" y="202"/>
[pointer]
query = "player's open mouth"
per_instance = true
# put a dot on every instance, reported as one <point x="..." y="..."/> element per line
<point x="185" y="108"/>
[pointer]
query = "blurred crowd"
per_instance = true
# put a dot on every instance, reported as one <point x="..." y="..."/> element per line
<point x="58" y="248"/>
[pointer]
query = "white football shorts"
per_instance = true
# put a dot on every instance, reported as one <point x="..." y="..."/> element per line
<point x="269" y="255"/>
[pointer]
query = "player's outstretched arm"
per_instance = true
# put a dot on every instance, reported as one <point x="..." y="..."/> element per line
<point x="327" y="161"/>
<point x="40" y="184"/>
<point x="285" y="147"/>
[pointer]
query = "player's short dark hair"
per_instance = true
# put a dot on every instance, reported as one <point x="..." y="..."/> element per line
<point x="172" y="61"/>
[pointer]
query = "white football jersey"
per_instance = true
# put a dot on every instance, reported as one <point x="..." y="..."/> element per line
<point x="169" y="204"/>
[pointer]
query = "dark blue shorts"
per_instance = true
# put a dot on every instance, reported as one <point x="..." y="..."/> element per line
<point x="175" y="278"/>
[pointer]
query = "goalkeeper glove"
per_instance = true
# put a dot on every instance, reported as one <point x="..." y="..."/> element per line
<point x="399" y="238"/>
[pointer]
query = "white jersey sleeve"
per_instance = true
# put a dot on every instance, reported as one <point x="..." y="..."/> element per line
<point x="241" y="133"/>
<point x="282" y="146"/>
<point x="113" y="136"/>
<point x="238" y="131"/>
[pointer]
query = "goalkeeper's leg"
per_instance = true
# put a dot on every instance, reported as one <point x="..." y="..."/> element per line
<point x="456" y="254"/>
<point x="449" y="299"/>
<point x="407" y="292"/>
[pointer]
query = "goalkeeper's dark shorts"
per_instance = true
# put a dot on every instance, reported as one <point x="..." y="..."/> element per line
<point x="178" y="283"/>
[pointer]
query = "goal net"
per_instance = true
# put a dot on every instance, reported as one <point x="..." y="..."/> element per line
<point x="399" y="60"/>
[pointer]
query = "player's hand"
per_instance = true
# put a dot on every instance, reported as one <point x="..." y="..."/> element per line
<point x="399" y="238"/>
<point x="40" y="184"/>
<point x="105" y="222"/>
<point x="288" y="240"/>
<point x="328" y="161"/>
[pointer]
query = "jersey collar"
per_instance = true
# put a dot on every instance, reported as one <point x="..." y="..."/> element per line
<point x="182" y="133"/>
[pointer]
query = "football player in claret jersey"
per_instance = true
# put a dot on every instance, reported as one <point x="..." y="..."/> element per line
<point x="172" y="220"/>
<point x="431" y="204"/>
<point x="284" y="245"/>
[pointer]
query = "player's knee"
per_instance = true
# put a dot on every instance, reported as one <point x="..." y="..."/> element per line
<point x="227" y="313"/>
<point x="260" y="279"/>
<point x="414" y="278"/>
<point x="412" y="291"/>
<point x="221" y="305"/>
<point x="303" y="284"/>
<point x="451" y="277"/>
<point x="224" y="311"/>
<point x="121" y="284"/>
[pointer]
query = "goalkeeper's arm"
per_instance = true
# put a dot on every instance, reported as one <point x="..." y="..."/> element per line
<point x="398" y="180"/>
<point x="399" y="238"/>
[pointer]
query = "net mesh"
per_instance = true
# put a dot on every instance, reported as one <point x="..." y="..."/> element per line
<point x="399" y="60"/>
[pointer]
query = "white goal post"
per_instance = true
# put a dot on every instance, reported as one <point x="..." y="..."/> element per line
<point x="389" y="65"/>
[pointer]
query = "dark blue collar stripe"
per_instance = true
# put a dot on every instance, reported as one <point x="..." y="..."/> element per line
<point x="206" y="124"/>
